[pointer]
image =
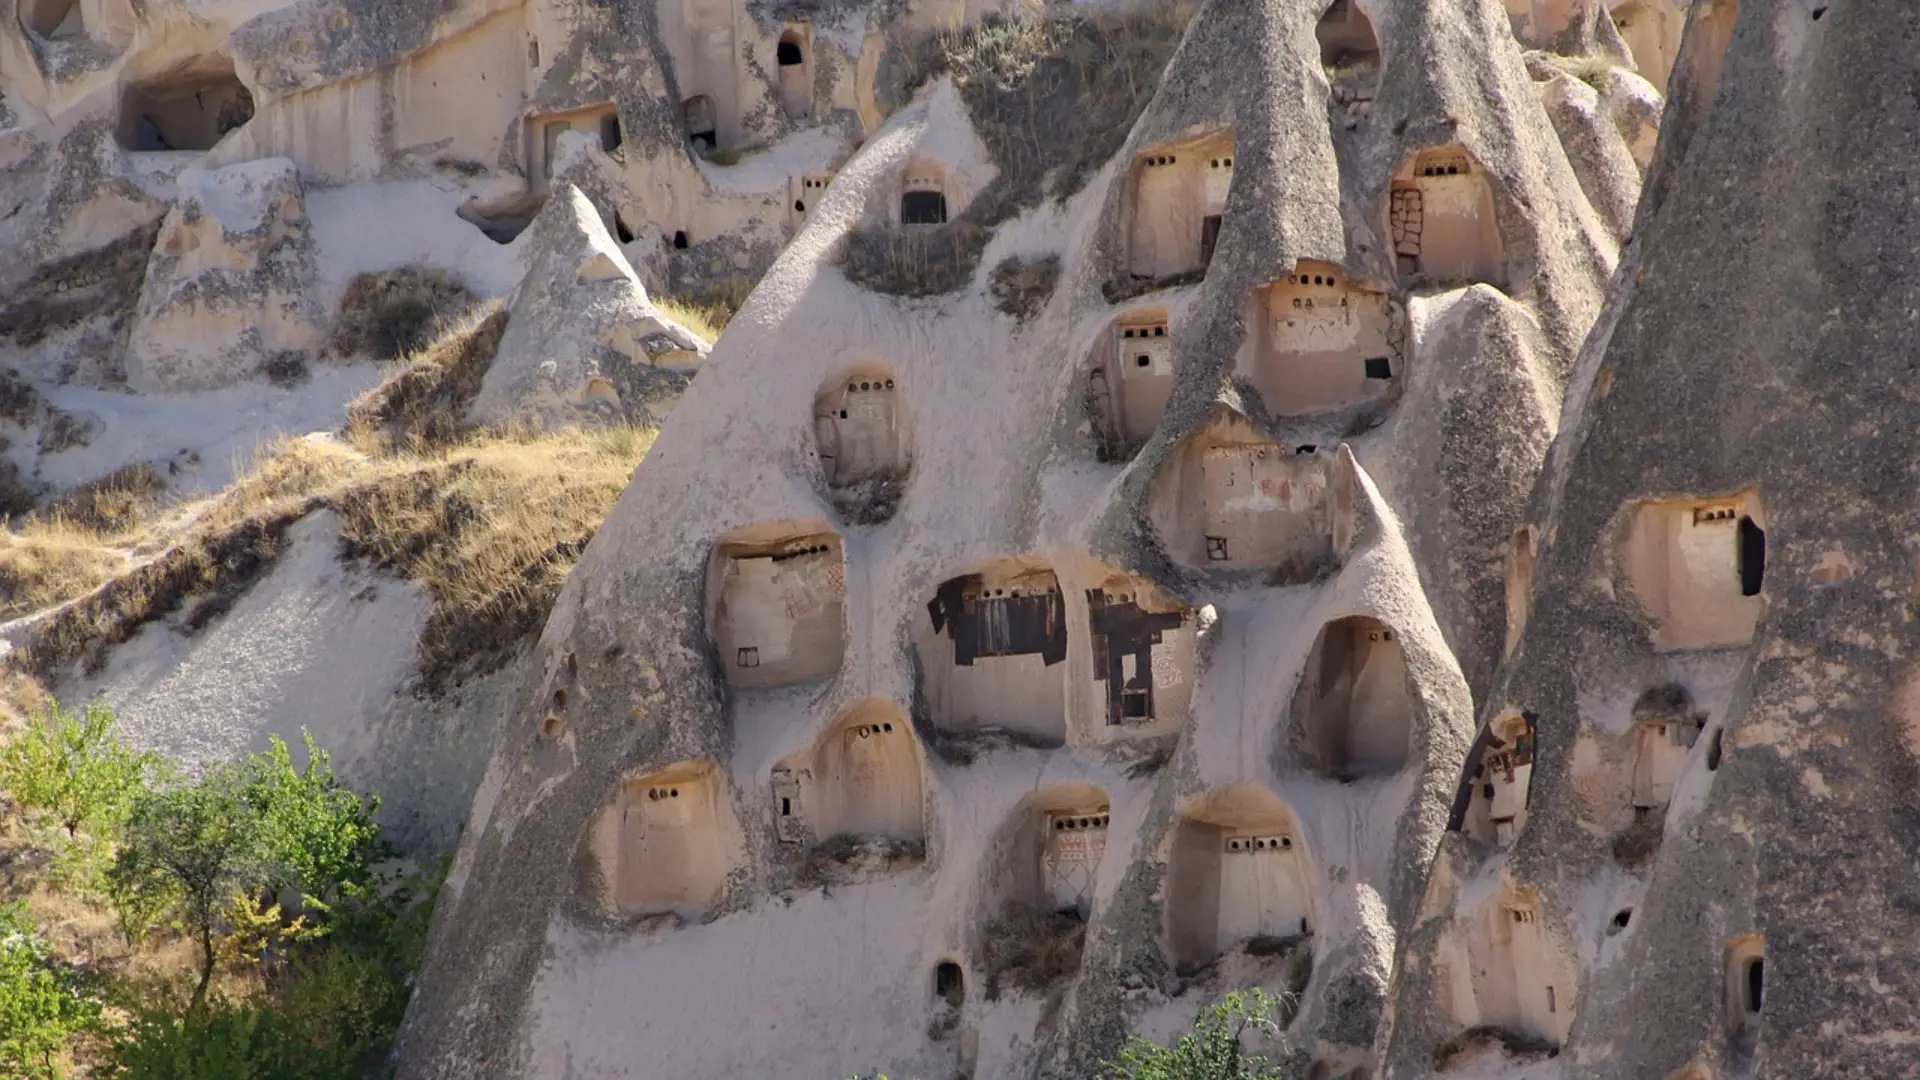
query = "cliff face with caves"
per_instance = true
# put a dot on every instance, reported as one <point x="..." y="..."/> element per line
<point x="1395" y="502"/>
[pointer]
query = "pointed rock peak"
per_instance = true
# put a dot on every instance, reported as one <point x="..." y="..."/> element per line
<point x="569" y="240"/>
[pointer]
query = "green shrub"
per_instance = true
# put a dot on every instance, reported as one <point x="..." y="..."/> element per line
<point x="74" y="768"/>
<point x="239" y="829"/>
<point x="318" y="836"/>
<point x="42" y="1007"/>
<point x="329" y="1014"/>
<point x="1212" y="1050"/>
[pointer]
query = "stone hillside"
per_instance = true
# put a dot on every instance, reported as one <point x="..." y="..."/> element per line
<point x="1192" y="495"/>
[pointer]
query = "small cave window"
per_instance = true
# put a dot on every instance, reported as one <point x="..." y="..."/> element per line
<point x="1753" y="557"/>
<point x="680" y="240"/>
<point x="621" y="229"/>
<point x="1754" y="985"/>
<point x="1620" y="920"/>
<point x="610" y="132"/>
<point x="923" y="208"/>
<point x="1713" y="752"/>
<point x="950" y="984"/>
<point x="191" y="112"/>
<point x="1346" y="37"/>
<point x="698" y="114"/>
<point x="787" y="53"/>
<point x="1379" y="367"/>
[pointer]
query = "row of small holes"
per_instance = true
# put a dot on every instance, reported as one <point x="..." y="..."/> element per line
<point x="1097" y="821"/>
<point x="1260" y="843"/>
<point x="1162" y="159"/>
<point x="816" y="549"/>
<point x="868" y="731"/>
<point x="876" y="384"/>
<point x="1314" y="279"/>
<point x="659" y="793"/>
<point x="1144" y="331"/>
<point x="1221" y="163"/>
<point x="1444" y="170"/>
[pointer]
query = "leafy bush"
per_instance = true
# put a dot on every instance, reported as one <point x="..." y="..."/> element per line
<point x="316" y="835"/>
<point x="1212" y="1050"/>
<point x="74" y="768"/>
<point x="240" y="829"/>
<point x="41" y="1006"/>
<point x="329" y="1014"/>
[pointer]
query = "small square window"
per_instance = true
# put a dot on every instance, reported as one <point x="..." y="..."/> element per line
<point x="1379" y="367"/>
<point x="748" y="657"/>
<point x="1217" y="549"/>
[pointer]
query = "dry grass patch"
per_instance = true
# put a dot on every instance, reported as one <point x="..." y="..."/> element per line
<point x="1021" y="287"/>
<point x="487" y="523"/>
<point x="420" y="405"/>
<point x="490" y="533"/>
<point x="50" y="565"/>
<point x="118" y="504"/>
<point x="488" y="528"/>
<point x="78" y="542"/>
<point x="1029" y="949"/>
<point x="705" y="320"/>
<point x="387" y="314"/>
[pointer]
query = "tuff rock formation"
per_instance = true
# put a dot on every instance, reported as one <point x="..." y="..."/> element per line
<point x="1393" y="501"/>
<point x="1169" y="615"/>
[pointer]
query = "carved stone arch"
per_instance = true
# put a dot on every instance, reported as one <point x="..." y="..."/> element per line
<point x="1129" y="377"/>
<point x="863" y="432"/>
<point x="1238" y="873"/>
<point x="666" y="841"/>
<point x="191" y="108"/>
<point x="1440" y="219"/>
<point x="1353" y="710"/>
<point x="776" y="596"/>
<point x="1231" y="499"/>
<point x="1320" y="340"/>
<point x="1346" y="36"/>
<point x="1175" y="196"/>
<point x="861" y="778"/>
<point x="1697" y="568"/>
<point x="991" y="644"/>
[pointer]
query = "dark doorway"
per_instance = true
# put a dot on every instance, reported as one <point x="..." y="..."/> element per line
<point x="923" y="208"/>
<point x="787" y="53"/>
<point x="1756" y="983"/>
<point x="949" y="985"/>
<point x="610" y="133"/>
<point x="702" y="128"/>
<point x="1753" y="557"/>
<point x="1209" y="238"/>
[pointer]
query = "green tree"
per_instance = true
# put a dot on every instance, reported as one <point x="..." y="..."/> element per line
<point x="42" y="1006"/>
<point x="241" y="828"/>
<point x="203" y="840"/>
<point x="74" y="767"/>
<point x="332" y="1011"/>
<point x="1212" y="1050"/>
<point x="319" y="836"/>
